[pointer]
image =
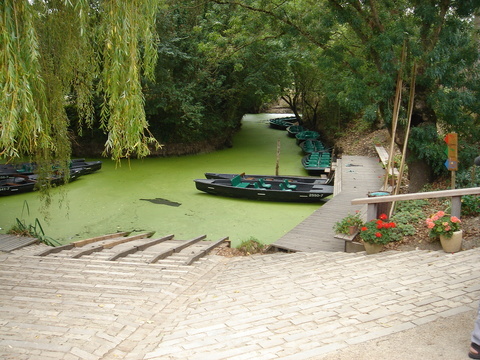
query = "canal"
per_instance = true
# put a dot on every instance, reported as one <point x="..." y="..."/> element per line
<point x="158" y="194"/>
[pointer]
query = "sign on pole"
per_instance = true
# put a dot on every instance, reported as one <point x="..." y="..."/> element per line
<point x="452" y="152"/>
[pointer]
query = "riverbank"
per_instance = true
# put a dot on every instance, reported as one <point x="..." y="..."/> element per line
<point x="354" y="142"/>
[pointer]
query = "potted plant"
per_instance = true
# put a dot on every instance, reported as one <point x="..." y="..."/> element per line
<point x="447" y="227"/>
<point x="349" y="225"/>
<point x="378" y="232"/>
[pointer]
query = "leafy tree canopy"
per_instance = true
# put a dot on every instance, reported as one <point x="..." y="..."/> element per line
<point x="361" y="43"/>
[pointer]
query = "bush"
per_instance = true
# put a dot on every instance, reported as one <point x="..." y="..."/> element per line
<point x="467" y="178"/>
<point x="404" y="223"/>
<point x="380" y="231"/>
<point x="470" y="205"/>
<point x="343" y="226"/>
<point x="251" y="246"/>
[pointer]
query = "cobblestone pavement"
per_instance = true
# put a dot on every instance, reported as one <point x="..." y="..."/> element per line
<point x="278" y="306"/>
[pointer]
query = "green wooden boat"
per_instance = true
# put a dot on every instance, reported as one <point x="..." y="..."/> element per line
<point x="317" y="163"/>
<point x="307" y="135"/>
<point x="310" y="146"/>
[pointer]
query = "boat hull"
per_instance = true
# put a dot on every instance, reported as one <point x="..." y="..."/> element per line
<point x="310" y="146"/>
<point x="79" y="165"/>
<point x="317" y="163"/>
<point x="19" y="183"/>
<point x="282" y="123"/>
<point x="306" y="193"/>
<point x="290" y="178"/>
<point x="306" y="135"/>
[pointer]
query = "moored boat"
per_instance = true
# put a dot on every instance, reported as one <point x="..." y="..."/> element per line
<point x="318" y="163"/>
<point x="283" y="122"/>
<point x="29" y="168"/>
<point x="262" y="189"/>
<point x="85" y="167"/>
<point x="310" y="146"/>
<point x="306" y="135"/>
<point x="323" y="180"/>
<point x="20" y="183"/>
<point x="295" y="129"/>
<point x="16" y="184"/>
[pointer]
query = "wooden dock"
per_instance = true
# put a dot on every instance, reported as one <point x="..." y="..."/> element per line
<point x="355" y="177"/>
<point x="12" y="242"/>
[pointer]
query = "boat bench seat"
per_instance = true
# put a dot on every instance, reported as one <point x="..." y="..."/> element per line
<point x="288" y="185"/>
<point x="263" y="184"/>
<point x="284" y="187"/>
<point x="237" y="181"/>
<point x="258" y="186"/>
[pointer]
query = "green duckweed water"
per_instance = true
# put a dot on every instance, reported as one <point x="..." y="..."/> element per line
<point x="158" y="194"/>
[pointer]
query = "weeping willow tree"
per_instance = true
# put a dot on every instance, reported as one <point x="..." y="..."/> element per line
<point x="59" y="52"/>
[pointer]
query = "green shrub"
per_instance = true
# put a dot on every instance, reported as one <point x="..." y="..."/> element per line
<point x="343" y="226"/>
<point x="468" y="178"/>
<point x="404" y="222"/>
<point x="470" y="205"/>
<point x="251" y="246"/>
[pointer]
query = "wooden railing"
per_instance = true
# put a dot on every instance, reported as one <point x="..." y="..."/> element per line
<point x="456" y="196"/>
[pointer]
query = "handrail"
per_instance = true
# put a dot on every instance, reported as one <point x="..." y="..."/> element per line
<point x="416" y="196"/>
<point x="455" y="194"/>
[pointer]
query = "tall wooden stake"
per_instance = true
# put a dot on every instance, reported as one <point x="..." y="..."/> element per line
<point x="396" y="110"/>
<point x="407" y="133"/>
<point x="278" y="158"/>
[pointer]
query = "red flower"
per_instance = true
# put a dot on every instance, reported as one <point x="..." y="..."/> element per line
<point x="383" y="217"/>
<point x="364" y="228"/>
<point x="378" y="234"/>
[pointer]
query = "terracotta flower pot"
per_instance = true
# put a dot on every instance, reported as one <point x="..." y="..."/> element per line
<point x="352" y="230"/>
<point x="452" y="244"/>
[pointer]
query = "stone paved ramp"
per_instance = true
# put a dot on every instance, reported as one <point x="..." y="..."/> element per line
<point x="278" y="306"/>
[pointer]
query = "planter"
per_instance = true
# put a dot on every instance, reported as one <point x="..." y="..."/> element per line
<point x="352" y="230"/>
<point x="354" y="247"/>
<point x="452" y="244"/>
<point x="372" y="248"/>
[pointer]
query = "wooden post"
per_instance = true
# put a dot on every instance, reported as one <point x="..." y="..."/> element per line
<point x="407" y="134"/>
<point x="372" y="211"/>
<point x="396" y="110"/>
<point x="456" y="206"/>
<point x="278" y="158"/>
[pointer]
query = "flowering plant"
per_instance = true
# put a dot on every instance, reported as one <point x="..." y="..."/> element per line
<point x="442" y="224"/>
<point x="380" y="231"/>
<point x="343" y="226"/>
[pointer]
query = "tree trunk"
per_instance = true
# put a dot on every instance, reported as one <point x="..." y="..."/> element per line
<point x="419" y="175"/>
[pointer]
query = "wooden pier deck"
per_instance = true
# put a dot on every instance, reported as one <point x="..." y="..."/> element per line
<point x="12" y="242"/>
<point x="355" y="177"/>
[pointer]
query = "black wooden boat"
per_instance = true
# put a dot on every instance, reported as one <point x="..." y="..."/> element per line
<point x="16" y="184"/>
<point x="306" y="135"/>
<point x="324" y="180"/>
<point x="282" y="123"/>
<point x="264" y="190"/>
<point x="20" y="183"/>
<point x="311" y="145"/>
<point x="29" y="168"/>
<point x="85" y="167"/>
<point x="317" y="163"/>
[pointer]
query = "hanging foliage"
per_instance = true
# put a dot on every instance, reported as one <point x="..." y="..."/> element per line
<point x="59" y="52"/>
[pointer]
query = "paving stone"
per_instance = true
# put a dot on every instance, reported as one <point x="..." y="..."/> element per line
<point x="297" y="306"/>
